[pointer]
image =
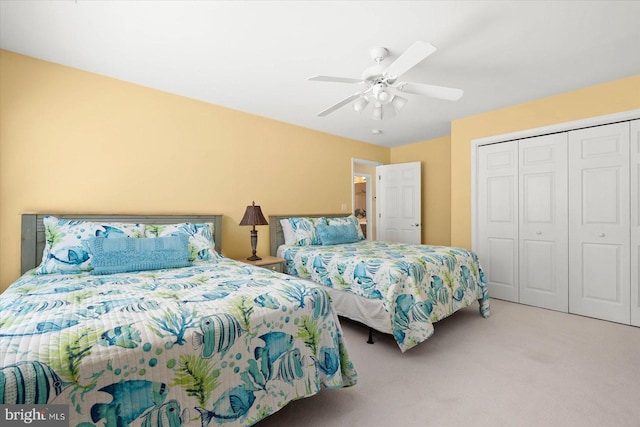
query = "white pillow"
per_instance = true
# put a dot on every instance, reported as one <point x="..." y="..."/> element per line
<point x="287" y="230"/>
<point x="304" y="229"/>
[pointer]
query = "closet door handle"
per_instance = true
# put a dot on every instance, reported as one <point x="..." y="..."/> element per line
<point x="538" y="232"/>
<point x="601" y="234"/>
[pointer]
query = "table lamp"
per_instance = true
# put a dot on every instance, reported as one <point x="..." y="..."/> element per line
<point x="253" y="216"/>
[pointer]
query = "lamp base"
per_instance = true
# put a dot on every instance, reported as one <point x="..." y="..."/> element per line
<point x="254" y="244"/>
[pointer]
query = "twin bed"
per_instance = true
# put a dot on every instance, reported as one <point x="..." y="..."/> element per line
<point x="394" y="288"/>
<point x="104" y="328"/>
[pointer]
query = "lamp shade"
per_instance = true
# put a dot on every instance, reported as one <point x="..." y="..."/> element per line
<point x="253" y="216"/>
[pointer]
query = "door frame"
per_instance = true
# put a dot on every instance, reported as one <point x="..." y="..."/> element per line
<point x="555" y="128"/>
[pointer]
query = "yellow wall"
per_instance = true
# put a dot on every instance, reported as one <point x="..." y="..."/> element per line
<point x="435" y="158"/>
<point x="607" y="98"/>
<point x="77" y="142"/>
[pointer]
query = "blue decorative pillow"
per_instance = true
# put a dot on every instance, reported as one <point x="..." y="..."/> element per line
<point x="66" y="243"/>
<point x="336" y="234"/>
<point x="304" y="229"/>
<point x="122" y="255"/>
<point x="348" y="220"/>
<point x="201" y="244"/>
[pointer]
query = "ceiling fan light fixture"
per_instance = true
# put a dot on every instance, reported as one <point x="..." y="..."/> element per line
<point x="383" y="96"/>
<point x="360" y="104"/>
<point x="380" y="94"/>
<point x="377" y="112"/>
<point x="398" y="103"/>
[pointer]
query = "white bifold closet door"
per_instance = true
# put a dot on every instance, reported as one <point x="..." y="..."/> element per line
<point x="543" y="234"/>
<point x="599" y="238"/>
<point x="497" y="246"/>
<point x="635" y="222"/>
<point x="522" y="217"/>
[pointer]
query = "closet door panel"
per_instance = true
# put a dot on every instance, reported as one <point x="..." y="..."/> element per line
<point x="497" y="248"/>
<point x="543" y="222"/>
<point x="599" y="244"/>
<point x="635" y="222"/>
<point x="535" y="276"/>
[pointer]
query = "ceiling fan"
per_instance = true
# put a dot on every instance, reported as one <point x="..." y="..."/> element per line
<point x="382" y="85"/>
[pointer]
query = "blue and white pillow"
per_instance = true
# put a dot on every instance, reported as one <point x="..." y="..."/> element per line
<point x="67" y="243"/>
<point x="304" y="229"/>
<point x="111" y="256"/>
<point x="336" y="234"/>
<point x="201" y="243"/>
<point x="348" y="220"/>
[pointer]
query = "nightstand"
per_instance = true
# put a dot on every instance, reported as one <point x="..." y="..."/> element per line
<point x="270" y="262"/>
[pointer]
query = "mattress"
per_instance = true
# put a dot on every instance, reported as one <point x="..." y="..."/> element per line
<point x="410" y="286"/>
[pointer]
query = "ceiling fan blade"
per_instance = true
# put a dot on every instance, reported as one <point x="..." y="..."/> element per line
<point x="340" y="104"/>
<point x="440" y="92"/>
<point x="334" y="79"/>
<point x="409" y="59"/>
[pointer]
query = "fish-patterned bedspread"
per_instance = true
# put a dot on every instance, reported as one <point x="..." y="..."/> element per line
<point x="417" y="284"/>
<point x="215" y="343"/>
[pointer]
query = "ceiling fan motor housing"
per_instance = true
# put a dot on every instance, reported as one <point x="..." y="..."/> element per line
<point x="374" y="74"/>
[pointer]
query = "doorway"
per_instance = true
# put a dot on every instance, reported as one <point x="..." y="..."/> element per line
<point x="361" y="199"/>
<point x="363" y="192"/>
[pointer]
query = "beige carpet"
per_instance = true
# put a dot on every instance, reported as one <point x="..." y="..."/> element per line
<point x="524" y="366"/>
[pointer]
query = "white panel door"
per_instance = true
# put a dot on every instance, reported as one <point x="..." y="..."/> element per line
<point x="399" y="201"/>
<point x="497" y="247"/>
<point x="599" y="246"/>
<point x="543" y="235"/>
<point x="635" y="222"/>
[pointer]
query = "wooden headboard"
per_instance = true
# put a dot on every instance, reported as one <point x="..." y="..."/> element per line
<point x="275" y="228"/>
<point x="33" y="239"/>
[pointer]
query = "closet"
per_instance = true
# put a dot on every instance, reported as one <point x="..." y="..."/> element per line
<point x="557" y="221"/>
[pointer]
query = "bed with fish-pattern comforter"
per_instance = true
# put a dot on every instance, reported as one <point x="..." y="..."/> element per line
<point x="214" y="343"/>
<point x="411" y="286"/>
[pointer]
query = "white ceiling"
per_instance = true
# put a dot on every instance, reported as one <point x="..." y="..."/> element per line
<point x="256" y="56"/>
